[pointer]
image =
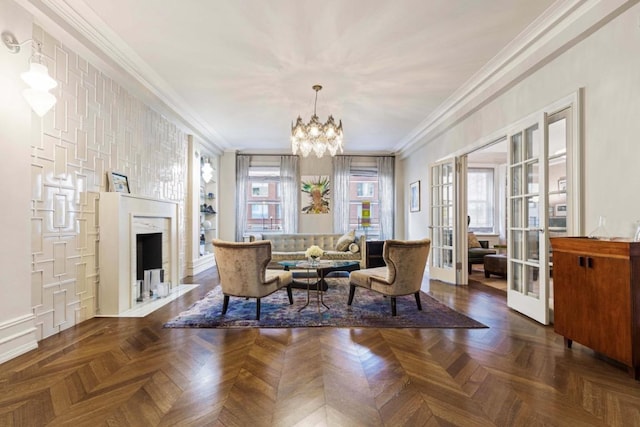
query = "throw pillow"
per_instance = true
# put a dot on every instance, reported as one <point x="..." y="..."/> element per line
<point x="345" y="240"/>
<point x="354" y="248"/>
<point x="473" y="241"/>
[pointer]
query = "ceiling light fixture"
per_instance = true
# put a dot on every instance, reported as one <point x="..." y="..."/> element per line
<point x="207" y="170"/>
<point x="38" y="78"/>
<point x="315" y="136"/>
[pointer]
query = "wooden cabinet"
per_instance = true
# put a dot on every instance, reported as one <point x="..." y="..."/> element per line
<point x="374" y="253"/>
<point x="597" y="296"/>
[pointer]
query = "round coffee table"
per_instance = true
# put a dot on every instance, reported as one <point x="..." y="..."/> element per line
<point x="319" y="270"/>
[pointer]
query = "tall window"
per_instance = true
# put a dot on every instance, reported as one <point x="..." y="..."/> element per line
<point x="481" y="199"/>
<point x="363" y="187"/>
<point x="264" y="201"/>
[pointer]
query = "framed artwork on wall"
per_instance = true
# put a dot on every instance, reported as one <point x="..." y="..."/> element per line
<point x="317" y="190"/>
<point x="561" y="210"/>
<point x="118" y="182"/>
<point x="562" y="184"/>
<point x="414" y="197"/>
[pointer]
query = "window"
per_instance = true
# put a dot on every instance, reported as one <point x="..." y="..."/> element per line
<point x="481" y="199"/>
<point x="259" y="189"/>
<point x="259" y="211"/>
<point x="365" y="189"/>
<point x="264" y="201"/>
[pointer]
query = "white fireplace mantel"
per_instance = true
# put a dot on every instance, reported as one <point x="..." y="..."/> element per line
<point x="121" y="217"/>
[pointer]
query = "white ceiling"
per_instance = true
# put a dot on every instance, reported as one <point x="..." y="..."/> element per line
<point x="240" y="71"/>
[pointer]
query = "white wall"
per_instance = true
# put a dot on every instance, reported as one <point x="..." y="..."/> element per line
<point x="606" y="64"/>
<point x="227" y="197"/>
<point x="17" y="332"/>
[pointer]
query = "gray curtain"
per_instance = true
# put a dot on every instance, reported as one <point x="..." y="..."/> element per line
<point x="341" y="172"/>
<point x="242" y="181"/>
<point x="290" y="176"/>
<point x="386" y="197"/>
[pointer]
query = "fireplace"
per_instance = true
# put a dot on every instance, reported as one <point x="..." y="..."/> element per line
<point x="148" y="253"/>
<point x="136" y="234"/>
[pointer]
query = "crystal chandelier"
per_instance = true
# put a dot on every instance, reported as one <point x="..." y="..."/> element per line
<point x="315" y="136"/>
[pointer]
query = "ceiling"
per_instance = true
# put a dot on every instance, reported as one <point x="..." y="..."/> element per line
<point x="239" y="72"/>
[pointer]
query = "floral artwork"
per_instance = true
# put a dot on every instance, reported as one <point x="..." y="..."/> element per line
<point x="318" y="190"/>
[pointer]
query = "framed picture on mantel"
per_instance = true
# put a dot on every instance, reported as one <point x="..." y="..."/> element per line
<point x="118" y="182"/>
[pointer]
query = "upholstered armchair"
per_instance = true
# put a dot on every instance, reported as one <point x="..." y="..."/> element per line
<point x="243" y="271"/>
<point x="405" y="261"/>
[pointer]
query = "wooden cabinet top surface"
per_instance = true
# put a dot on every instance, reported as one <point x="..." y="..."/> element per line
<point x="590" y="246"/>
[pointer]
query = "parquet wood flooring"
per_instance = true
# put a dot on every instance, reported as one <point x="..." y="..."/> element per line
<point x="132" y="372"/>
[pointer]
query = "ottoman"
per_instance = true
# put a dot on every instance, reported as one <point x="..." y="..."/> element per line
<point x="495" y="264"/>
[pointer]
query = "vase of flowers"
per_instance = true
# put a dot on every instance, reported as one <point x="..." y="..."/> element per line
<point x="313" y="254"/>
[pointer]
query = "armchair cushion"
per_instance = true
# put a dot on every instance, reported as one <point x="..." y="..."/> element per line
<point x="405" y="261"/>
<point x="242" y="267"/>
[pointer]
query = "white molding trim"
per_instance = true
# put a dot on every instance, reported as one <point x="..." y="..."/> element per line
<point x="551" y="33"/>
<point x="17" y="336"/>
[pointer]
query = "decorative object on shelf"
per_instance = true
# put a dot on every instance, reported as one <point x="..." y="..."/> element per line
<point x="207" y="209"/>
<point x="118" y="182"/>
<point x="207" y="170"/>
<point x="318" y="190"/>
<point x="315" y="136"/>
<point x="206" y="225"/>
<point x="38" y="78"/>
<point x="313" y="253"/>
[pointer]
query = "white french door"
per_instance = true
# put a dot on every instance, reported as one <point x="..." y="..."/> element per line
<point x="443" y="212"/>
<point x="527" y="219"/>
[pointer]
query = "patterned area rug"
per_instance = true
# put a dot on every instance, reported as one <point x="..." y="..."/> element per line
<point x="369" y="310"/>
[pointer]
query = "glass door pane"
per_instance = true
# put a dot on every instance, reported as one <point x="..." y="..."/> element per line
<point x="443" y="191"/>
<point x="526" y="222"/>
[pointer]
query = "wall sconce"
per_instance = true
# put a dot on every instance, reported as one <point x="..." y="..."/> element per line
<point x="38" y="78"/>
<point x="207" y="170"/>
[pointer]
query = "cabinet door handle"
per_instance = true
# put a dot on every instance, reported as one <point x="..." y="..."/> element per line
<point x="581" y="261"/>
<point x="589" y="262"/>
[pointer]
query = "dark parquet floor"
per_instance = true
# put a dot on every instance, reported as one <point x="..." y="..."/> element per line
<point x="132" y="372"/>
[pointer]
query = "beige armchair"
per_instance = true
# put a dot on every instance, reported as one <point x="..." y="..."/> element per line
<point x="405" y="262"/>
<point x="243" y="271"/>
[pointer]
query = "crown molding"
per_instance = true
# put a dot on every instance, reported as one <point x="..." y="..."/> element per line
<point x="77" y="25"/>
<point x="551" y="33"/>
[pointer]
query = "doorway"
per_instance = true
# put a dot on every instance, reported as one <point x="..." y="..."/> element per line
<point x="537" y="196"/>
<point x="486" y="212"/>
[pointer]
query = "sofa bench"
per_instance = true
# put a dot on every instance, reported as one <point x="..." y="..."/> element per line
<point x="286" y="247"/>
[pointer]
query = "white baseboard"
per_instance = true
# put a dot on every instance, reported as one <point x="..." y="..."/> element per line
<point x="17" y="336"/>
<point x="201" y="264"/>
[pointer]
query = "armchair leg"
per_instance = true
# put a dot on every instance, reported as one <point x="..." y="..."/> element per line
<point x="393" y="306"/>
<point x="352" y="292"/>
<point x="225" y="304"/>
<point x="417" y="294"/>
<point x="289" y="294"/>
<point x="257" y="308"/>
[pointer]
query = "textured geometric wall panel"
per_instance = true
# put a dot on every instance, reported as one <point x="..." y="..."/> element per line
<point x="96" y="126"/>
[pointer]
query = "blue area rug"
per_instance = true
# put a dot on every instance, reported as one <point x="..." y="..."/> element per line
<point x="369" y="310"/>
